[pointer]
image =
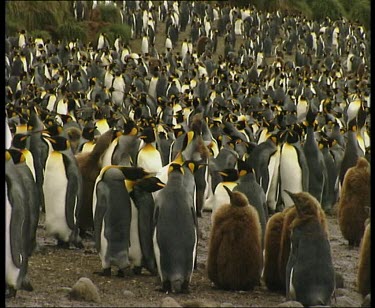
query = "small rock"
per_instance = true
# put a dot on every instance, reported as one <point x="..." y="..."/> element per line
<point x="226" y="305"/>
<point x="341" y="292"/>
<point x="366" y="301"/>
<point x="290" y="304"/>
<point x="344" y="301"/>
<point x="200" y="303"/>
<point x="169" y="302"/>
<point x="84" y="289"/>
<point x="128" y="293"/>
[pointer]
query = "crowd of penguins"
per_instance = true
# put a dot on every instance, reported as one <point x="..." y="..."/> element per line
<point x="128" y="149"/>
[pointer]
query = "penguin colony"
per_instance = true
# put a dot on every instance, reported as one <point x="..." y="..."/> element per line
<point x="128" y="149"/>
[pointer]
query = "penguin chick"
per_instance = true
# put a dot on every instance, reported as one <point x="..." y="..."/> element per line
<point x="364" y="266"/>
<point x="271" y="252"/>
<point x="309" y="279"/>
<point x="235" y="250"/>
<point x="355" y="196"/>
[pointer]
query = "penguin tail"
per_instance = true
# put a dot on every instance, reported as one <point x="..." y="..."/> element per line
<point x="26" y="285"/>
<point x="176" y="286"/>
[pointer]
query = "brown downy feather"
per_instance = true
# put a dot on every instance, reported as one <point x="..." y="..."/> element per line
<point x="355" y="197"/>
<point x="90" y="166"/>
<point x="271" y="252"/>
<point x="364" y="265"/>
<point x="235" y="253"/>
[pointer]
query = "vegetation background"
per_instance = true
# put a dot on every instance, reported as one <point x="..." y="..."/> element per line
<point x="55" y="20"/>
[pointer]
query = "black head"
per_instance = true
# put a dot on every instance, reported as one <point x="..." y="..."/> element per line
<point x="59" y="143"/>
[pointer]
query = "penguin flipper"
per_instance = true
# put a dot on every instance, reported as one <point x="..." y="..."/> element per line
<point x="101" y="207"/>
<point x="16" y="224"/>
<point x="72" y="199"/>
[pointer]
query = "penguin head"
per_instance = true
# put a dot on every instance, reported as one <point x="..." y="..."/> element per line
<point x="19" y="141"/>
<point x="306" y="204"/>
<point x="150" y="184"/>
<point x="237" y="198"/>
<point x="133" y="173"/>
<point x="229" y="175"/>
<point x="59" y="143"/>
<point x="148" y="134"/>
<point x="16" y="155"/>
<point x="244" y="168"/>
<point x="175" y="167"/>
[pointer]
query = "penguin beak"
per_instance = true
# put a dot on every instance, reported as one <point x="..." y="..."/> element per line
<point x="228" y="191"/>
<point x="292" y="195"/>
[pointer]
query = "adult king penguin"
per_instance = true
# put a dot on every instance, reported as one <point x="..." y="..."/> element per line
<point x="175" y="235"/>
<point x="16" y="259"/>
<point x="62" y="193"/>
<point x="112" y="212"/>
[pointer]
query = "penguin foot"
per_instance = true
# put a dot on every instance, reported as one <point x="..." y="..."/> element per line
<point x="11" y="292"/>
<point x="121" y="273"/>
<point x="26" y="285"/>
<point x="79" y="245"/>
<point x="137" y="270"/>
<point x="62" y="244"/>
<point x="105" y="272"/>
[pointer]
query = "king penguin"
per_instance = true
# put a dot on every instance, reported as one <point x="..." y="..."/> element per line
<point x="175" y="234"/>
<point x="234" y="259"/>
<point x="318" y="176"/>
<point x="310" y="280"/>
<point x="62" y="193"/>
<point x="16" y="259"/>
<point x="248" y="185"/>
<point x="31" y="204"/>
<point x="294" y="172"/>
<point x="112" y="210"/>
<point x="149" y="157"/>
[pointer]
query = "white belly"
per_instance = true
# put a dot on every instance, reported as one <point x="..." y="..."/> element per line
<point x="290" y="173"/>
<point x="54" y="188"/>
<point x="11" y="271"/>
<point x="107" y="157"/>
<point x="103" y="248"/>
<point x="150" y="161"/>
<point x="273" y="172"/>
<point x="135" y="251"/>
<point x="157" y="254"/>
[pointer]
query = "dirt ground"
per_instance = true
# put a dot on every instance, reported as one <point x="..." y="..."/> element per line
<point x="54" y="271"/>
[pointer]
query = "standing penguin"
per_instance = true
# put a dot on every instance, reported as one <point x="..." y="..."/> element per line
<point x="175" y="234"/>
<point x="318" y="177"/>
<point x="31" y="203"/>
<point x="149" y="157"/>
<point x="310" y="279"/>
<point x="364" y="265"/>
<point x="62" y="193"/>
<point x="234" y="259"/>
<point x="272" y="241"/>
<point x="16" y="259"/>
<point x="144" y="202"/>
<point x="112" y="212"/>
<point x="294" y="172"/>
<point x="248" y="185"/>
<point x="355" y="197"/>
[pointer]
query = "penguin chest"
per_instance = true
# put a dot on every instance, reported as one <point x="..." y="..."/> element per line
<point x="221" y="196"/>
<point x="88" y="147"/>
<point x="29" y="161"/>
<point x="273" y="179"/>
<point x="135" y="252"/>
<point x="107" y="157"/>
<point x="149" y="158"/>
<point x="55" y="188"/>
<point x="290" y="172"/>
<point x="11" y="270"/>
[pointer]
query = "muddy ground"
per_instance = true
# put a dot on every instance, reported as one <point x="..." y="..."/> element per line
<point x="54" y="271"/>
